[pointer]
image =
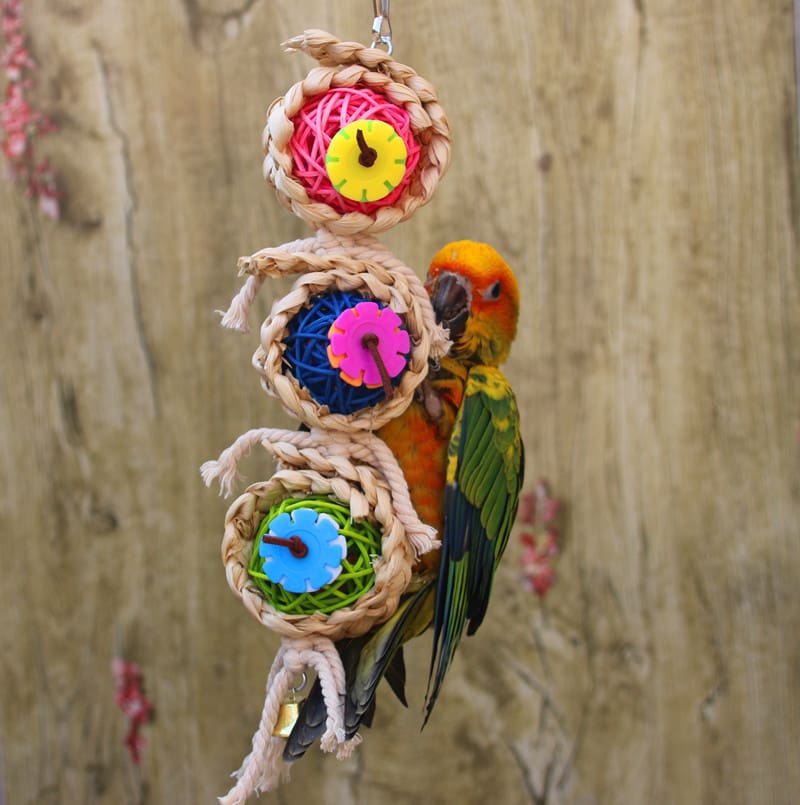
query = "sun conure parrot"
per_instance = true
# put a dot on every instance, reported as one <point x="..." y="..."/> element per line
<point x="460" y="449"/>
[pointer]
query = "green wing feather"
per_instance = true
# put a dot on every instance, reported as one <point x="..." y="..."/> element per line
<point x="484" y="476"/>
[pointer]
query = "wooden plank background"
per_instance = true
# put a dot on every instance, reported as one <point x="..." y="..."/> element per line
<point x="637" y="163"/>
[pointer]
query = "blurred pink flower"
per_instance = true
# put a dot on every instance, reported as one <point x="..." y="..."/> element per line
<point x="20" y="123"/>
<point x="538" y="512"/>
<point x="130" y="697"/>
<point x="15" y="145"/>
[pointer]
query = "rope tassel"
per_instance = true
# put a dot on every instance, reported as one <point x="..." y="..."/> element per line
<point x="264" y="768"/>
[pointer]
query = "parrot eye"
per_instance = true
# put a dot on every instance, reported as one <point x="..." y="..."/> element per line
<point x="493" y="291"/>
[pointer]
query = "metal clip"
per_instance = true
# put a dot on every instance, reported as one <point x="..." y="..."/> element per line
<point x="381" y="27"/>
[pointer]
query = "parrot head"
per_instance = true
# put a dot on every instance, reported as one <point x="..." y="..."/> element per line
<point x="475" y="296"/>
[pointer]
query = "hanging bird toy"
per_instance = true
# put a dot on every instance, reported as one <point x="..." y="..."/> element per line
<point x="397" y="387"/>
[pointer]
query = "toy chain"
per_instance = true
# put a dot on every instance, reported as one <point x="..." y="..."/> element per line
<point x="324" y="550"/>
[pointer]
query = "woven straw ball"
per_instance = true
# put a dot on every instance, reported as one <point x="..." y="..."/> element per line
<point x="370" y="500"/>
<point x="350" y="65"/>
<point x="372" y="281"/>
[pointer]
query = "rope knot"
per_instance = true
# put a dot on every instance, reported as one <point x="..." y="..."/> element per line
<point x="293" y="661"/>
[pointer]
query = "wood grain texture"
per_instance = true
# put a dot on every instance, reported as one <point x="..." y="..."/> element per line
<point x="637" y="163"/>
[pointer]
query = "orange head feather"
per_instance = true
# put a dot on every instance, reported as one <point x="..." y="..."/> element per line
<point x="476" y="295"/>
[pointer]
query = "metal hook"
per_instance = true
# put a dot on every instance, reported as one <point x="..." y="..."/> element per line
<point x="381" y="27"/>
<point x="298" y="688"/>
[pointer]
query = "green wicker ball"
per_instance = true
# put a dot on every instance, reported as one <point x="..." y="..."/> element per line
<point x="356" y="578"/>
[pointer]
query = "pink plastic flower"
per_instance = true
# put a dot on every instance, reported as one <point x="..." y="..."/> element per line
<point x="349" y="351"/>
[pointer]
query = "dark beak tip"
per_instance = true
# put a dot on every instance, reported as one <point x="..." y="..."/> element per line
<point x="450" y="303"/>
<point x="448" y="295"/>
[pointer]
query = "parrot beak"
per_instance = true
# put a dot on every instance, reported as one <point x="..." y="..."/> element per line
<point x="451" y="300"/>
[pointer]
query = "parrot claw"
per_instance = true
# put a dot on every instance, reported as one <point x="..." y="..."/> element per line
<point x="432" y="401"/>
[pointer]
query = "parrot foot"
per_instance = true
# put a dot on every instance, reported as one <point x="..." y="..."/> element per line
<point x="432" y="401"/>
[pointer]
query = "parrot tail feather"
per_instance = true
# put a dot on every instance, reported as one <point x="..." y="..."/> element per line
<point x="382" y="656"/>
<point x="366" y="661"/>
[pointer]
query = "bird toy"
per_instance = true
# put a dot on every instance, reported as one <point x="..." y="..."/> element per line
<point x="409" y="432"/>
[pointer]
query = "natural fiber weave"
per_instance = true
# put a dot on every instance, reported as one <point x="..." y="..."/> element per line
<point x="362" y="474"/>
<point x="317" y="123"/>
<point x="339" y="457"/>
<point x="315" y="348"/>
<point x="350" y="64"/>
<point x="360" y="264"/>
<point x="360" y="471"/>
<point x="356" y="576"/>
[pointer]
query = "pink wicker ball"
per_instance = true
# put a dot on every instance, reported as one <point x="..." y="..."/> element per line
<point x="317" y="123"/>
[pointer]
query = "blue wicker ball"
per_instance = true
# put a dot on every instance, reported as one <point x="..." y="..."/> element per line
<point x="307" y="359"/>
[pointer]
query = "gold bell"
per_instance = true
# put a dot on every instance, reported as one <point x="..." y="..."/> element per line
<point x="289" y="712"/>
<point x="287" y="717"/>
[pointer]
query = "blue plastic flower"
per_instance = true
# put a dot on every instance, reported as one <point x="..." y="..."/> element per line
<point x="326" y="550"/>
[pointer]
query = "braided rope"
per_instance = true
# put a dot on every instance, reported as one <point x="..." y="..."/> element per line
<point x="350" y="64"/>
<point x="235" y="317"/>
<point x="371" y="250"/>
<point x="333" y="454"/>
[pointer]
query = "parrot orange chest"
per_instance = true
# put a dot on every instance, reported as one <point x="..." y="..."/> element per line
<point x="421" y="451"/>
<point x="420" y="443"/>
